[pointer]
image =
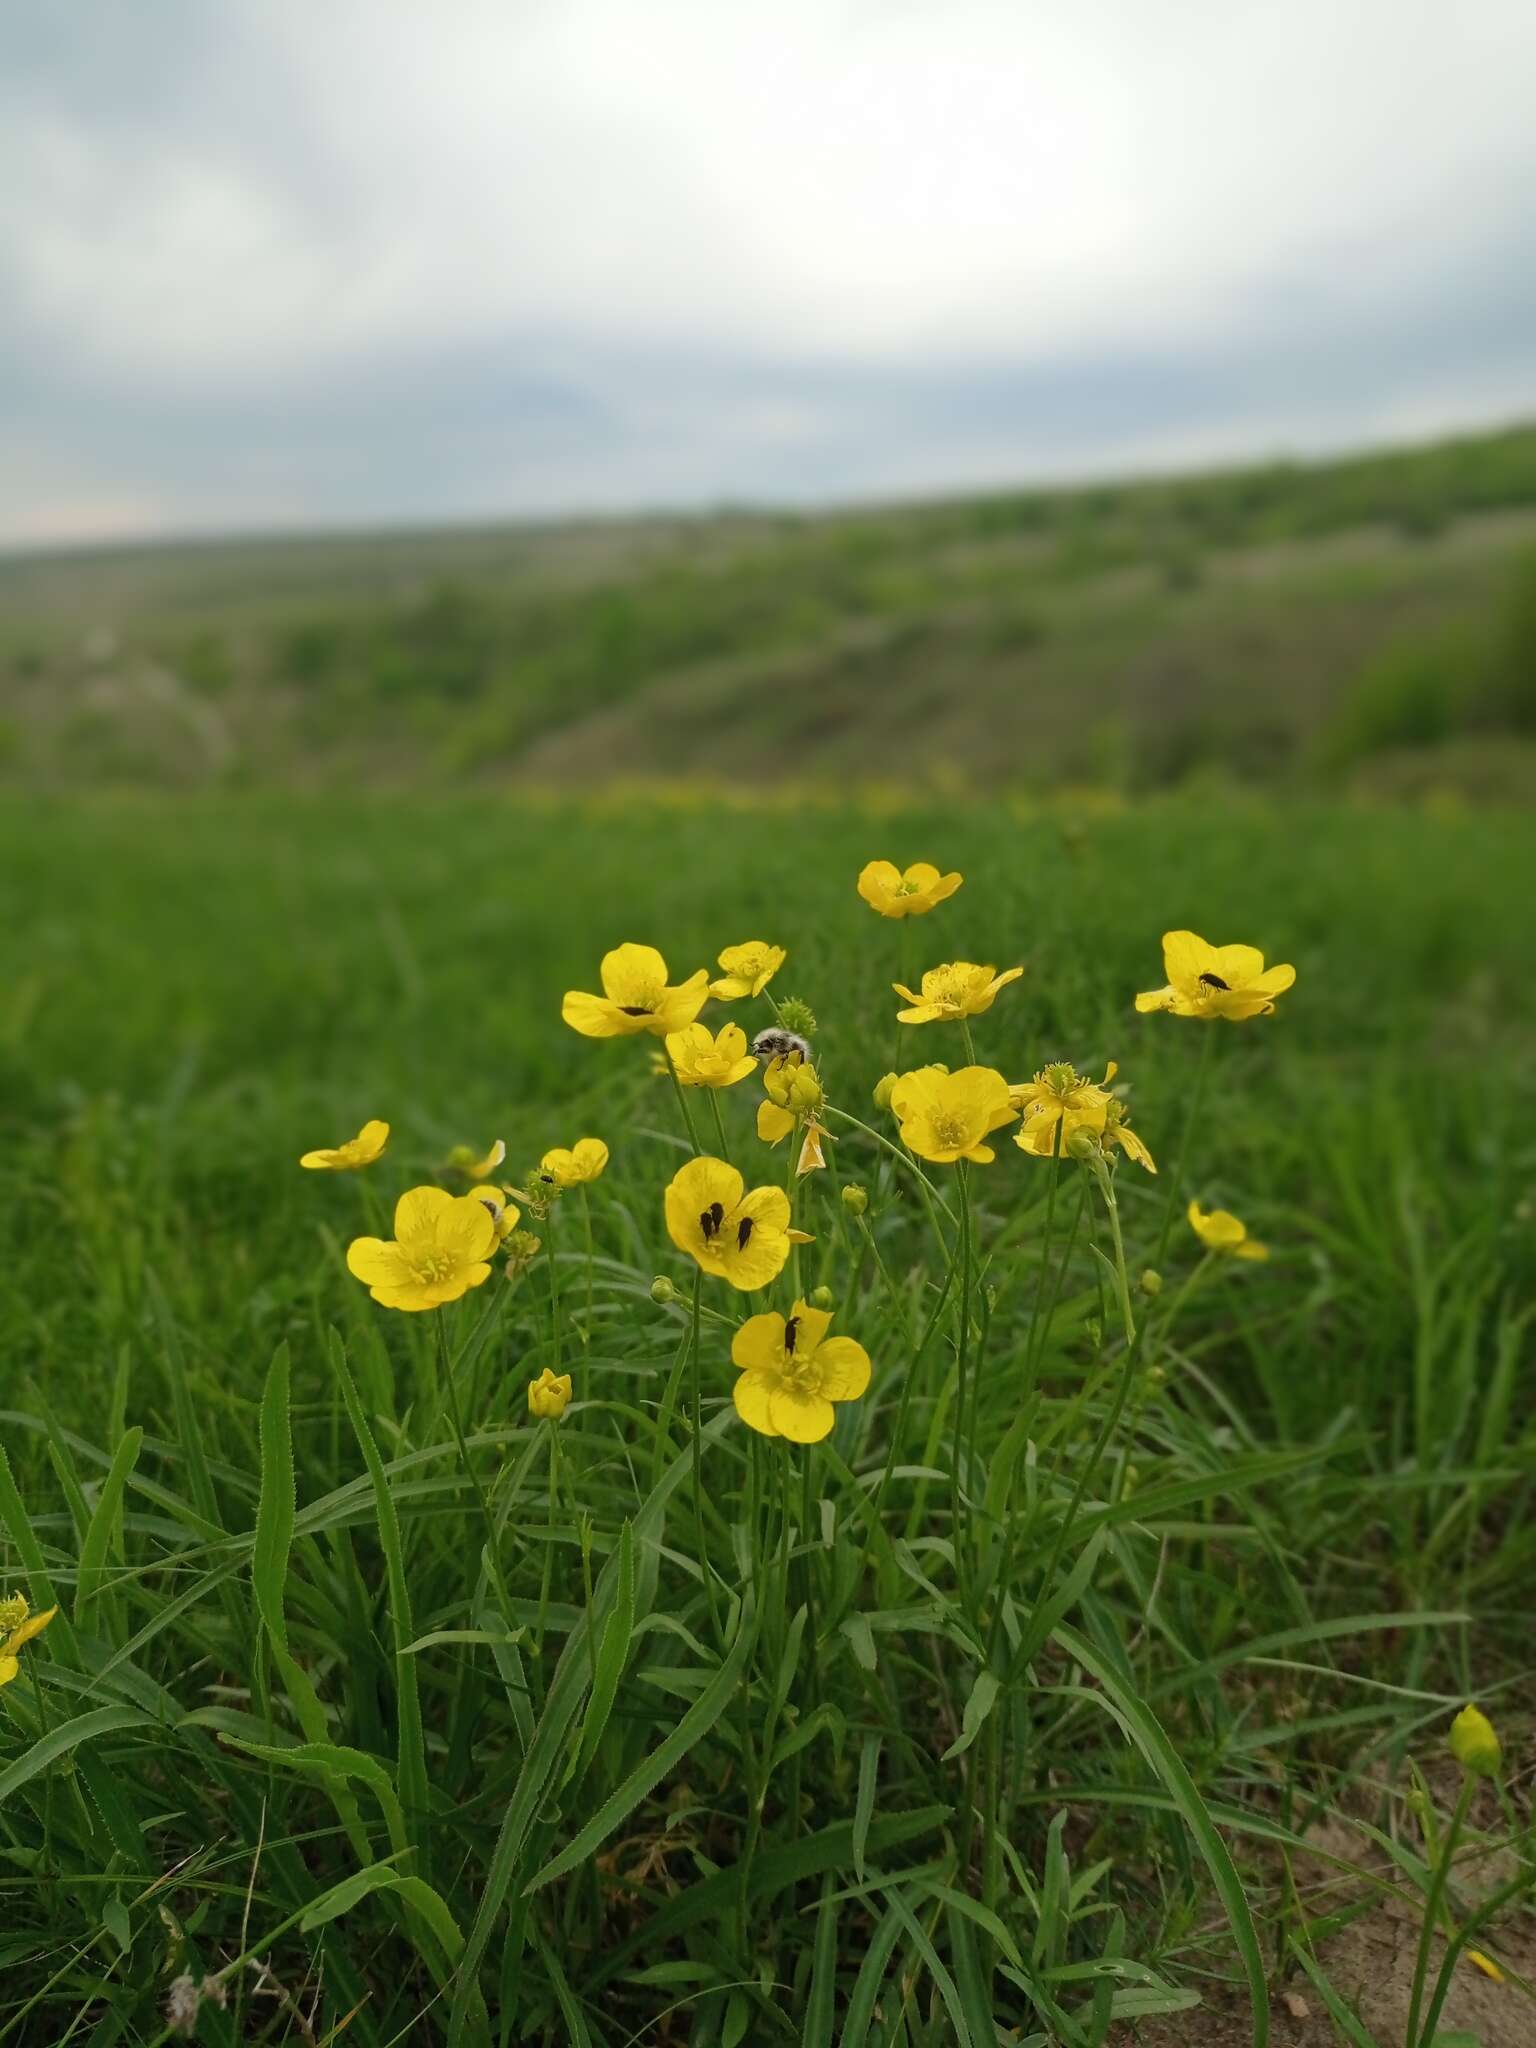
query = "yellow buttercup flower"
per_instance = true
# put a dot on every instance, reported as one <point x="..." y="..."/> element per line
<point x="946" y="1116"/>
<point x="702" y="1058"/>
<point x="359" y="1151"/>
<point x="1475" y="1743"/>
<point x="961" y="989"/>
<point x="636" y="997"/>
<point x="498" y="1205"/>
<point x="549" y="1395"/>
<point x="1215" y="981"/>
<point x="1059" y="1095"/>
<point x="792" y="1372"/>
<point x="439" y="1250"/>
<point x="748" y="970"/>
<point x="793" y="1094"/>
<point x="1220" y="1231"/>
<point x="574" y="1168"/>
<point x="462" y="1157"/>
<point x="738" y="1236"/>
<point x="909" y="892"/>
<point x="18" y="1626"/>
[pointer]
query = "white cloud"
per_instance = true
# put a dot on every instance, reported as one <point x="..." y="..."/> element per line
<point x="273" y="193"/>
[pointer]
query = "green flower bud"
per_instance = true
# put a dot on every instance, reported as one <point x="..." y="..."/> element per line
<point x="883" y="1089"/>
<point x="662" y="1290"/>
<point x="822" y="1297"/>
<point x="1474" y="1744"/>
<point x="855" y="1199"/>
<point x="1083" y="1145"/>
<point x="795" y="1015"/>
<point x="1151" y="1282"/>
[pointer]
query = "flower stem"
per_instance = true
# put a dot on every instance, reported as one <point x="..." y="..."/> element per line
<point x="684" y="1110"/>
<point x="1437" y="1887"/>
<point x="554" y="1282"/>
<point x="586" y="1231"/>
<point x="549" y="1547"/>
<point x="1176" y="1178"/>
<point x="696" y="1431"/>
<point x="714" y="1103"/>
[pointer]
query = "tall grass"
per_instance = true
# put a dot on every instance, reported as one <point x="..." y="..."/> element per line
<point x="384" y="1712"/>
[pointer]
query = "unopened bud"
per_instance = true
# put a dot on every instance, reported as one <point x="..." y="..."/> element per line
<point x="1083" y="1145"/>
<point x="662" y="1290"/>
<point x="522" y="1248"/>
<point x="883" y="1088"/>
<point x="855" y="1199"/>
<point x="1474" y="1744"/>
<point x="1151" y="1282"/>
<point x="549" y="1394"/>
<point x="822" y="1297"/>
<point x="796" y="1015"/>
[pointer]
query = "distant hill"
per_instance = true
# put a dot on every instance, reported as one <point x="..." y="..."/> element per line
<point x="1373" y="617"/>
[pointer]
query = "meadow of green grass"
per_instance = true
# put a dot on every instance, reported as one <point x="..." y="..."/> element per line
<point x="1102" y="1713"/>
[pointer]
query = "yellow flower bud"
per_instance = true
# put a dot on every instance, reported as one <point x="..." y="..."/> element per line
<point x="855" y="1200"/>
<point x="1474" y="1744"/>
<point x="662" y="1290"/>
<point x="883" y="1089"/>
<point x="549" y="1394"/>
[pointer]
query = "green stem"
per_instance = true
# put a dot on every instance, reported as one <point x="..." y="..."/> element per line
<point x="450" y="1381"/>
<point x="714" y="1103"/>
<point x="682" y="1103"/>
<point x="554" y="1283"/>
<point x="902" y="1158"/>
<point x="586" y="1231"/>
<point x="1176" y="1179"/>
<point x="696" y="1403"/>
<point x="1437" y="1887"/>
<point x="962" y="1445"/>
<point x="549" y="1548"/>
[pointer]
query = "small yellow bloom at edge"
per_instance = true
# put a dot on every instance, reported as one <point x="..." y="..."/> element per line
<point x="353" y="1152"/>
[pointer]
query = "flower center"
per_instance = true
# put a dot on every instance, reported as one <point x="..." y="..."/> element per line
<point x="648" y="1001"/>
<point x="710" y="1221"/>
<point x="949" y="1130"/>
<point x="802" y="1375"/>
<point x="1060" y="1077"/>
<point x="433" y="1266"/>
<point x="905" y="888"/>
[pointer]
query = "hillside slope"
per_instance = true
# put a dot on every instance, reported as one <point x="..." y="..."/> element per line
<point x="1273" y="622"/>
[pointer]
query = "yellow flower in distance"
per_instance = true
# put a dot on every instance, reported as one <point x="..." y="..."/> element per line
<point x="636" y="997"/>
<point x="960" y="989"/>
<point x="497" y="1204"/>
<point x="702" y="1058"/>
<point x="574" y="1168"/>
<point x="1475" y="1743"/>
<point x="1220" y="1231"/>
<point x="738" y="1236"/>
<point x="549" y="1395"/>
<point x="792" y="1372"/>
<point x="946" y="1116"/>
<point x="1215" y="981"/>
<point x="18" y="1626"/>
<point x="462" y="1159"/>
<point x="359" y="1151"/>
<point x="439" y="1250"/>
<point x="748" y="970"/>
<point x="910" y="892"/>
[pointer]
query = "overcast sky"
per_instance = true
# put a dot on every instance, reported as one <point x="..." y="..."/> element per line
<point x="316" y="262"/>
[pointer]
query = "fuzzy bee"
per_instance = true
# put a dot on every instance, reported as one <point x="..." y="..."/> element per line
<point x="777" y="1044"/>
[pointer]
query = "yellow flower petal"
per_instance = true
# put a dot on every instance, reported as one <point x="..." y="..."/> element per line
<point x="845" y="1368"/>
<point x="753" y="1396"/>
<point x="803" y="1418"/>
<point x="418" y="1210"/>
<point x="758" y="1343"/>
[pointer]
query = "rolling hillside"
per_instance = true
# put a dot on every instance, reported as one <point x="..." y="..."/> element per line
<point x="1368" y="619"/>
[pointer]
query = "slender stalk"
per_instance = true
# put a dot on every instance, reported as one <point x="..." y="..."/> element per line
<point x="696" y="1431"/>
<point x="902" y="1158"/>
<point x="1176" y="1178"/>
<point x="714" y="1103"/>
<point x="450" y="1381"/>
<point x="686" y="1113"/>
<point x="586" y="1232"/>
<point x="1437" y="1887"/>
<point x="549" y="1548"/>
<point x="962" y="1361"/>
<point x="554" y="1282"/>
